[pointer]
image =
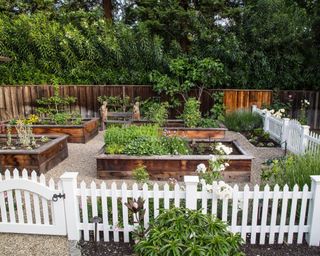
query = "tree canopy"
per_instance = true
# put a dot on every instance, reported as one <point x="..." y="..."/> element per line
<point x="256" y="43"/>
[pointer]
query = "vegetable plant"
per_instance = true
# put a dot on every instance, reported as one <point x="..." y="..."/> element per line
<point x="191" y="113"/>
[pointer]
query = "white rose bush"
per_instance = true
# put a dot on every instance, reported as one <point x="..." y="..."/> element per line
<point x="277" y="114"/>
<point x="211" y="174"/>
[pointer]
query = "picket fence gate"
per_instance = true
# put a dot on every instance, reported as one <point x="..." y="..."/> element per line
<point x="260" y="216"/>
<point x="290" y="133"/>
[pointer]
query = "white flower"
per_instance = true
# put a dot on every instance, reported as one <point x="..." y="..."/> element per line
<point x="226" y="164"/>
<point x="212" y="158"/>
<point x="271" y="111"/>
<point x="282" y="110"/>
<point x="201" y="168"/>
<point x="222" y="167"/>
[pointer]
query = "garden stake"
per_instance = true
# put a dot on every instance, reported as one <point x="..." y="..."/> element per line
<point x="96" y="220"/>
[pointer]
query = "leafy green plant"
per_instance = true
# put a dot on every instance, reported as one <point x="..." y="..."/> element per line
<point x="116" y="138"/>
<point x="242" y="120"/>
<point x="291" y="170"/>
<point x="140" y="174"/>
<point x="180" y="231"/>
<point x="191" y="113"/>
<point x="116" y="103"/>
<point x="218" y="109"/>
<point x="157" y="112"/>
<point x="208" y="123"/>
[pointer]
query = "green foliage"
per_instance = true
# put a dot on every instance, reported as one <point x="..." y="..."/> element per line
<point x="218" y="109"/>
<point x="180" y="231"/>
<point x="116" y="138"/>
<point x="242" y="120"/>
<point x="291" y="170"/>
<point x="148" y="146"/>
<point x="116" y="103"/>
<point x="157" y="112"/>
<point x="191" y="113"/>
<point x="140" y="174"/>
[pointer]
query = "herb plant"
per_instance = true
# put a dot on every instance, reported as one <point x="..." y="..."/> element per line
<point x="242" y="120"/>
<point x="180" y="231"/>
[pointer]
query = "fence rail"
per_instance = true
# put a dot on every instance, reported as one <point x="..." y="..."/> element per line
<point x="290" y="133"/>
<point x="261" y="216"/>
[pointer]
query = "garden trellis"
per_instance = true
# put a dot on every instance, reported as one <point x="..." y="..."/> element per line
<point x="261" y="216"/>
<point x="290" y="133"/>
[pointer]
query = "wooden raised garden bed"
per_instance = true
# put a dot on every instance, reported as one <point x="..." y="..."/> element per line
<point x="77" y="133"/>
<point x="40" y="159"/>
<point x="170" y="166"/>
<point x="175" y="127"/>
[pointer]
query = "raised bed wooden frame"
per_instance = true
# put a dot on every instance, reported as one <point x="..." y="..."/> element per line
<point x="77" y="133"/>
<point x="165" y="167"/>
<point x="40" y="160"/>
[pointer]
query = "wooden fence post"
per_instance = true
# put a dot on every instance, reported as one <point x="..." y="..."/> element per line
<point x="284" y="132"/>
<point x="191" y="183"/>
<point x="69" y="186"/>
<point x="305" y="129"/>
<point x="266" y="122"/>
<point x="313" y="237"/>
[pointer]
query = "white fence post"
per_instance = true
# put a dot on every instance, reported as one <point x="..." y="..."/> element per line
<point x="266" y="122"/>
<point x="254" y="108"/>
<point x="313" y="237"/>
<point x="284" y="132"/>
<point x="305" y="129"/>
<point x="69" y="186"/>
<point x="191" y="183"/>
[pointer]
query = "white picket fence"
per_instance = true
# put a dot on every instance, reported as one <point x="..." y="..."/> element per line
<point x="290" y="133"/>
<point x="260" y="216"/>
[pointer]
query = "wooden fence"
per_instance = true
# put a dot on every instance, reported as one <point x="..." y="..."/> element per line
<point x="259" y="215"/>
<point x="18" y="101"/>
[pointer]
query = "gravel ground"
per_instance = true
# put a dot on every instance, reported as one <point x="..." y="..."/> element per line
<point x="33" y="245"/>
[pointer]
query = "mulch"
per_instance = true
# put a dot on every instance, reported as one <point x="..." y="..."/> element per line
<point x="280" y="250"/>
<point x="105" y="249"/>
<point x="125" y="249"/>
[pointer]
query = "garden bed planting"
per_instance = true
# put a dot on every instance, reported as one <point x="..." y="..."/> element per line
<point x="81" y="133"/>
<point x="163" y="167"/>
<point x="40" y="159"/>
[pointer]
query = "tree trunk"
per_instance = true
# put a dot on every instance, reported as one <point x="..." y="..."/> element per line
<point x="107" y="8"/>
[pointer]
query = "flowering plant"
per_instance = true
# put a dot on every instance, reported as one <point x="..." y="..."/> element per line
<point x="303" y="114"/>
<point x="216" y="164"/>
<point x="277" y="114"/>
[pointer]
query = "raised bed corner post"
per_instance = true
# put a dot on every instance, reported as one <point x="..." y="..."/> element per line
<point x="191" y="183"/>
<point x="69" y="186"/>
<point x="313" y="236"/>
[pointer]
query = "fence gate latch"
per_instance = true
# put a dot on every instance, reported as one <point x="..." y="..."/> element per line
<point x="55" y="197"/>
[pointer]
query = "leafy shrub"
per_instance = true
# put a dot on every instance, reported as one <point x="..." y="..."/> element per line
<point x="242" y="120"/>
<point x="291" y="170"/>
<point x="208" y="123"/>
<point x="191" y="113"/>
<point x="180" y="231"/>
<point x="218" y="109"/>
<point x="157" y="112"/>
<point x="140" y="174"/>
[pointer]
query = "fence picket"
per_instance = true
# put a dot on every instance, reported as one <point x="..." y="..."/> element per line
<point x="166" y="198"/>
<point x="156" y="200"/>
<point x="115" y="217"/>
<point x="44" y="202"/>
<point x="36" y="204"/>
<point x="302" y="216"/>
<point x="235" y="207"/>
<point x="105" y="212"/>
<point x="84" y="206"/>
<point x="283" y="219"/>
<point x="146" y="205"/>
<point x="18" y="198"/>
<point x="244" y="220"/>
<point x="214" y="199"/>
<point x="94" y="205"/>
<point x="264" y="214"/>
<point x="10" y="200"/>
<point x="255" y="205"/>
<point x="274" y="212"/>
<point x="204" y="200"/>
<point x="293" y="213"/>
<point x="3" y="207"/>
<point x="27" y="199"/>
<point x="176" y="195"/>
<point x="125" y="221"/>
